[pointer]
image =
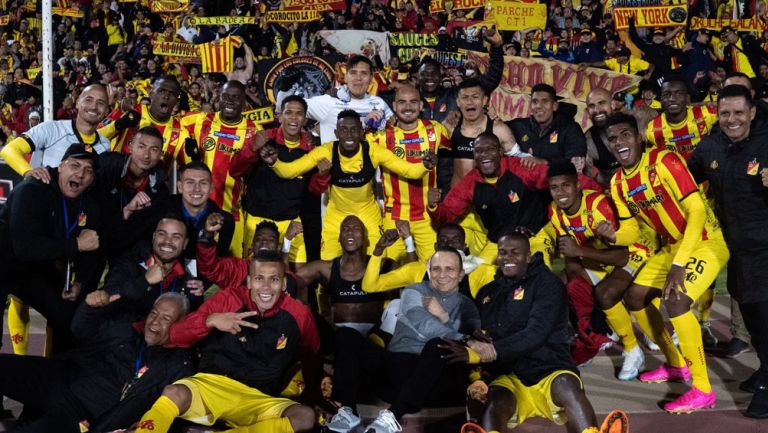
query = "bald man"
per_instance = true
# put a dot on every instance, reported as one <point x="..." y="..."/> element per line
<point x="405" y="200"/>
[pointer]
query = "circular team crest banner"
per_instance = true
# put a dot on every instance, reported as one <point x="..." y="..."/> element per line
<point x="303" y="76"/>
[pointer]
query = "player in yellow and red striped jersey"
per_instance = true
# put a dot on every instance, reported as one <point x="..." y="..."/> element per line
<point x="681" y="126"/>
<point x="163" y="99"/>
<point x="216" y="137"/>
<point x="573" y="217"/>
<point x="655" y="187"/>
<point x="406" y="199"/>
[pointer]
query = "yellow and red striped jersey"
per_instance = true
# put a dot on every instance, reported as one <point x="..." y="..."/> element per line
<point x="218" y="56"/>
<point x="653" y="192"/>
<point x="218" y="142"/>
<point x="406" y="199"/>
<point x="682" y="137"/>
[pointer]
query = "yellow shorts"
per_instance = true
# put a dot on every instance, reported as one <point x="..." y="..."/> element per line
<point x="219" y="398"/>
<point x="702" y="267"/>
<point x="330" y="248"/>
<point x="635" y="262"/>
<point x="475" y="234"/>
<point x="536" y="400"/>
<point x="298" y="253"/>
<point x="424" y="236"/>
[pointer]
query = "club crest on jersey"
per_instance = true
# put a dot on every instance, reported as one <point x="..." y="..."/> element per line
<point x="655" y="181"/>
<point x="281" y="342"/>
<point x="714" y="165"/>
<point x="84" y="426"/>
<point x="442" y="108"/>
<point x="513" y="197"/>
<point x="518" y="294"/>
<point x="553" y="137"/>
<point x="753" y="167"/>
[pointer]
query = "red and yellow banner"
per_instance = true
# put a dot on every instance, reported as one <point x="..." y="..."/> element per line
<point x="318" y="5"/>
<point x="168" y="6"/>
<point x="745" y="25"/>
<point x="514" y="15"/>
<point x="437" y="6"/>
<point x="66" y="12"/>
<point x="175" y="49"/>
<point x="294" y="16"/>
<point x="651" y="16"/>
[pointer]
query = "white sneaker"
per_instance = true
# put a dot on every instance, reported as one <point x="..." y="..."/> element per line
<point x="384" y="423"/>
<point x="707" y="336"/>
<point x="653" y="347"/>
<point x="344" y="420"/>
<point x="634" y="361"/>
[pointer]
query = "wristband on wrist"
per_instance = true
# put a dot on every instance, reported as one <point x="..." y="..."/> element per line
<point x="410" y="246"/>
<point x="286" y="245"/>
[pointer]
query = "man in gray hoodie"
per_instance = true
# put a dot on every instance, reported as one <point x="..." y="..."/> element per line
<point x="412" y="370"/>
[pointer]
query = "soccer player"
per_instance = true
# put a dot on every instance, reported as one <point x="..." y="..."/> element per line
<point x="254" y="335"/>
<point x="353" y="166"/>
<point x="574" y="216"/>
<point x="268" y="197"/>
<point x="680" y="127"/>
<point x="215" y="137"/>
<point x="528" y="357"/>
<point x="406" y="199"/>
<point x="654" y="187"/>
<point x="159" y="113"/>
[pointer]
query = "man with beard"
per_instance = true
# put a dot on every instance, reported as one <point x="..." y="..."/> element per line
<point x="599" y="158"/>
<point x="680" y="127"/>
<point x="122" y="368"/>
<point x="214" y="138"/>
<point x="405" y="200"/>
<point x="48" y="141"/>
<point x="132" y="191"/>
<point x="733" y="162"/>
<point x="50" y="239"/>
<point x="438" y="101"/>
<point x="159" y="114"/>
<point x="147" y="271"/>
<point x="528" y="357"/>
<point x="654" y="187"/>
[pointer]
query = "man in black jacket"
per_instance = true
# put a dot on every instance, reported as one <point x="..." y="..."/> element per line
<point x="132" y="191"/>
<point x="658" y="52"/>
<point x="734" y="162"/>
<point x="524" y="313"/>
<point x="110" y="381"/>
<point x="49" y="238"/>
<point x="147" y="271"/>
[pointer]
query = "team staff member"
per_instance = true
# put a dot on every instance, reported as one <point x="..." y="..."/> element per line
<point x="680" y="127"/>
<point x="132" y="190"/>
<point x="49" y="235"/>
<point x="574" y="216"/>
<point x="48" y="141"/>
<point x="159" y="113"/>
<point x="406" y="199"/>
<point x="255" y="334"/>
<point x="655" y="188"/>
<point x="108" y="384"/>
<point x="500" y="190"/>
<point x="734" y="163"/>
<point x="600" y="161"/>
<point x="353" y="166"/>
<point x="193" y="206"/>
<point x="268" y="197"/>
<point x="550" y="133"/>
<point x="214" y="138"/>
<point x="529" y="357"/>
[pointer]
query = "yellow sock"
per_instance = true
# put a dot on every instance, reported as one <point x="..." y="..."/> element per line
<point x="590" y="430"/>
<point x="159" y="418"/>
<point x="18" y="326"/>
<point x="689" y="335"/>
<point x="650" y="321"/>
<point x="274" y="425"/>
<point x="705" y="303"/>
<point x="619" y="320"/>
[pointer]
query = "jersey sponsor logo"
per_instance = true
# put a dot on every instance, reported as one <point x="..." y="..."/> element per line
<point x="682" y="137"/>
<point x="209" y="143"/>
<point x="646" y="204"/>
<point x="222" y="147"/>
<point x="281" y="342"/>
<point x="226" y="135"/>
<point x="753" y="167"/>
<point x="412" y="140"/>
<point x="637" y="190"/>
<point x="576" y="229"/>
<point x="399" y="152"/>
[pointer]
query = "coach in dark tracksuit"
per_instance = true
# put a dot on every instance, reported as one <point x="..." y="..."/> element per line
<point x="735" y="162"/>
<point x="46" y="229"/>
<point x="107" y="383"/>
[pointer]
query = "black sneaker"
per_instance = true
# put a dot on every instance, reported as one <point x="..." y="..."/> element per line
<point x="758" y="407"/>
<point x="750" y="384"/>
<point x="735" y="347"/>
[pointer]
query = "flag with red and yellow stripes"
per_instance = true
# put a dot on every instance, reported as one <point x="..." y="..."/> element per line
<point x="218" y="56"/>
<point x="406" y="199"/>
